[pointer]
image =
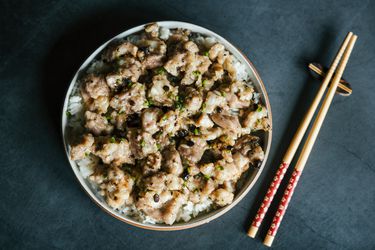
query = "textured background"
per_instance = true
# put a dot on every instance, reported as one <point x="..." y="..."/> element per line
<point x="42" y="44"/>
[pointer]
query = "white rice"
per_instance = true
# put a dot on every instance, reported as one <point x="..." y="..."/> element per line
<point x="87" y="165"/>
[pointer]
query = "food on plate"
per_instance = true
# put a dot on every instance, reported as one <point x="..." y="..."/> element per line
<point x="163" y="124"/>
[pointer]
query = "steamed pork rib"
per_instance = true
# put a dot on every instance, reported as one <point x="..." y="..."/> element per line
<point x="167" y="125"/>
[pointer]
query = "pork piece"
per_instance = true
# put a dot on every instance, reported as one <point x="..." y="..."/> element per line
<point x="129" y="70"/>
<point x="211" y="134"/>
<point x="172" y="161"/>
<point x="253" y="119"/>
<point x="228" y="65"/>
<point x="152" y="30"/>
<point x="214" y="99"/>
<point x="193" y="150"/>
<point x="150" y="117"/>
<point x="241" y="161"/>
<point x="227" y="122"/>
<point x="174" y="64"/>
<point x="249" y="146"/>
<point x="141" y="143"/>
<point x="246" y="144"/>
<point x="80" y="150"/>
<point x="207" y="169"/>
<point x="225" y="171"/>
<point x="239" y="95"/>
<point x="98" y="105"/>
<point x="93" y="87"/>
<point x="130" y="100"/>
<point x="162" y="92"/>
<point x="169" y="123"/>
<point x="118" y="187"/>
<point x="118" y="119"/>
<point x="153" y="61"/>
<point x="151" y="164"/>
<point x="97" y="124"/>
<point x="115" y="152"/>
<point x="171" y="209"/>
<point x="204" y="121"/>
<point x="207" y="189"/>
<point x="162" y="207"/>
<point x="162" y="181"/>
<point x="215" y="51"/>
<point x="222" y="197"/>
<point x="118" y="50"/>
<point x="196" y="65"/>
<point x="152" y="46"/>
<point x="193" y="101"/>
<point x="191" y="47"/>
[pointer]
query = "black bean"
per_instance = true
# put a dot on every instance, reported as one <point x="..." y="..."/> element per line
<point x="156" y="198"/>
<point x="190" y="143"/>
<point x="182" y="133"/>
<point x="166" y="87"/>
<point x="257" y="164"/>
<point x="219" y="110"/>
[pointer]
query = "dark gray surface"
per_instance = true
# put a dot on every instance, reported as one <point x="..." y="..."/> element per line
<point x="43" y="43"/>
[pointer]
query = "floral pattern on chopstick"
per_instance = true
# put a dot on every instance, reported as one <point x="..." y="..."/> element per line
<point x="284" y="202"/>
<point x="270" y="194"/>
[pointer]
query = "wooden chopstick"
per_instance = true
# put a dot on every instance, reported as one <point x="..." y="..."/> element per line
<point x="301" y="163"/>
<point x="295" y="143"/>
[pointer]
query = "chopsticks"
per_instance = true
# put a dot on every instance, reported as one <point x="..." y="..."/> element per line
<point x="346" y="47"/>
<point x="306" y="150"/>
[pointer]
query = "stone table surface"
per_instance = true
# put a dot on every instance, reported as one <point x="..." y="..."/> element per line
<point x="42" y="43"/>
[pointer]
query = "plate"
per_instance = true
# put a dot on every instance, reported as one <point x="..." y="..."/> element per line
<point x="248" y="180"/>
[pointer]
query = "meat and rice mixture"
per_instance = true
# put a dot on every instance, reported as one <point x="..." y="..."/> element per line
<point x="167" y="120"/>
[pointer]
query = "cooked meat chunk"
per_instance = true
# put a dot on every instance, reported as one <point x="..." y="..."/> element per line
<point x="115" y="153"/>
<point x="152" y="30"/>
<point x="99" y="105"/>
<point x="171" y="209"/>
<point x="211" y="134"/>
<point x="172" y="161"/>
<point x="80" y="150"/>
<point x="193" y="101"/>
<point x="215" y="51"/>
<point x="153" y="61"/>
<point x="252" y="118"/>
<point x="227" y="122"/>
<point x="141" y="143"/>
<point x="94" y="87"/>
<point x="150" y="118"/>
<point x="151" y="164"/>
<point x="119" y="50"/>
<point x="118" y="119"/>
<point x="193" y="150"/>
<point x="130" y="100"/>
<point x="128" y="70"/>
<point x="213" y="100"/>
<point x="204" y="121"/>
<point x="118" y="188"/>
<point x="169" y="123"/>
<point x="222" y="197"/>
<point x="174" y="64"/>
<point x="162" y="92"/>
<point x="97" y="124"/>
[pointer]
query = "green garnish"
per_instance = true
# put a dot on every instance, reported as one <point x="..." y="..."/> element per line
<point x="68" y="114"/>
<point x="158" y="146"/>
<point x="219" y="167"/>
<point x="260" y="108"/>
<point x="196" y="73"/>
<point x="160" y="71"/>
<point x="143" y="143"/>
<point x="87" y="154"/>
<point x="179" y="103"/>
<point x="108" y="117"/>
<point x="112" y="140"/>
<point x="223" y="94"/>
<point x="205" y="53"/>
<point x="196" y="131"/>
<point x="149" y="102"/>
<point x="130" y="84"/>
<point x="164" y="118"/>
<point x="206" y="177"/>
<point x="122" y="139"/>
<point x="118" y="81"/>
<point x="184" y="184"/>
<point x="203" y="107"/>
<point x="204" y="82"/>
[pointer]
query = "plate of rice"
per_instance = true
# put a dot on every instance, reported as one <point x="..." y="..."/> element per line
<point x="167" y="126"/>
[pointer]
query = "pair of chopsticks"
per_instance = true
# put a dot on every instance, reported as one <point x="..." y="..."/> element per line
<point x="344" y="53"/>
